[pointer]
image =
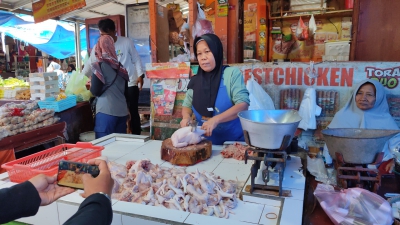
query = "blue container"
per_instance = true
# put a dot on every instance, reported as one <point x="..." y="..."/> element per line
<point x="58" y="106"/>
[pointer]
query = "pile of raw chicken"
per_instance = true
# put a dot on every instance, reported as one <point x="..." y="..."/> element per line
<point x="197" y="192"/>
<point x="235" y="151"/>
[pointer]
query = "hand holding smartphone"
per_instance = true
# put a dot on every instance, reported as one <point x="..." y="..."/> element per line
<point x="70" y="173"/>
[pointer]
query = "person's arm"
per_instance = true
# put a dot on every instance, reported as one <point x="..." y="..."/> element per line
<point x="226" y="116"/>
<point x="96" y="209"/>
<point x="138" y="64"/>
<point x="96" y="86"/>
<point x="187" y="108"/>
<point x="87" y="69"/>
<point x="24" y="199"/>
<point x="18" y="201"/>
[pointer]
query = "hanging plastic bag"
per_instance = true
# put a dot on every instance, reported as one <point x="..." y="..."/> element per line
<point x="309" y="109"/>
<point x="301" y="30"/>
<point x="312" y="26"/>
<point x="259" y="99"/>
<point x="353" y="206"/>
<point x="77" y="86"/>
<point x="202" y="25"/>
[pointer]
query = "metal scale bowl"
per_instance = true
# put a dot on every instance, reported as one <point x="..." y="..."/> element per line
<point x="268" y="133"/>
<point x="352" y="150"/>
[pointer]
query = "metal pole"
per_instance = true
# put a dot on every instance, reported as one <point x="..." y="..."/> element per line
<point x="78" y="47"/>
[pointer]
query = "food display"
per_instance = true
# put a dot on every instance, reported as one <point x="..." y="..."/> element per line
<point x="13" y="82"/>
<point x="196" y="192"/>
<point x="235" y="151"/>
<point x="17" y="118"/>
<point x="61" y="96"/>
<point x="11" y="86"/>
<point x="24" y="94"/>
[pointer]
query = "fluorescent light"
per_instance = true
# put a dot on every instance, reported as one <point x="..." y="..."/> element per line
<point x="186" y="12"/>
<point x="185" y="8"/>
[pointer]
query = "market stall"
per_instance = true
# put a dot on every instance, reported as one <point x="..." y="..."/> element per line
<point x="125" y="148"/>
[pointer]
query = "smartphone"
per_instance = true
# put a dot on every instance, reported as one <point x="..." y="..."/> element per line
<point x="70" y="173"/>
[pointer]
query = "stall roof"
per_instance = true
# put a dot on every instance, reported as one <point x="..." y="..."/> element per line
<point x="93" y="8"/>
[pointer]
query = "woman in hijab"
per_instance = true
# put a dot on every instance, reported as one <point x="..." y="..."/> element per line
<point x="367" y="108"/>
<point x="216" y="94"/>
<point x="108" y="84"/>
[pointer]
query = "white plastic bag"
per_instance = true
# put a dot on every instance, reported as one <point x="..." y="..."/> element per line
<point x="353" y="206"/>
<point x="259" y="99"/>
<point x="202" y="25"/>
<point x="309" y="109"/>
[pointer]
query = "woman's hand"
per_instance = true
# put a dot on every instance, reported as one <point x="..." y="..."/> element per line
<point x="48" y="190"/>
<point x="102" y="183"/>
<point x="210" y="125"/>
<point x="185" y="122"/>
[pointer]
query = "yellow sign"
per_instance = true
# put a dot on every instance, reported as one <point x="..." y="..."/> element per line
<point x="47" y="9"/>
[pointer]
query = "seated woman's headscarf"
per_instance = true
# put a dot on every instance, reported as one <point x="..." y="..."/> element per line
<point x="205" y="85"/>
<point x="378" y="117"/>
<point x="105" y="53"/>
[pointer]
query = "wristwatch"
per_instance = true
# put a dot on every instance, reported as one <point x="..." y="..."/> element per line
<point x="105" y="195"/>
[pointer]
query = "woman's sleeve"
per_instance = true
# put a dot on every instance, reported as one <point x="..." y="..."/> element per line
<point x="187" y="102"/>
<point x="20" y="200"/>
<point x="96" y="86"/>
<point x="238" y="90"/>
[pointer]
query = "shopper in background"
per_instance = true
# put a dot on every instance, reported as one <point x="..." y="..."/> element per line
<point x="216" y="94"/>
<point x="55" y="67"/>
<point x="24" y="199"/>
<point x="71" y="68"/>
<point x="108" y="84"/>
<point x="130" y="59"/>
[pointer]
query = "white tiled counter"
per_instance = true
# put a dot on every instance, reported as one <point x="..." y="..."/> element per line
<point x="121" y="148"/>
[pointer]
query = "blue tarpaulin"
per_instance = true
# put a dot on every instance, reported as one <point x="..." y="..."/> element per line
<point x="49" y="36"/>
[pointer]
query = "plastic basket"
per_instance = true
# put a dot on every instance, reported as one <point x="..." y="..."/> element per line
<point x="46" y="162"/>
<point x="58" y="106"/>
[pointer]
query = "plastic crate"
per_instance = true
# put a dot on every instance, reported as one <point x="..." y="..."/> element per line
<point x="58" y="106"/>
<point x="46" y="162"/>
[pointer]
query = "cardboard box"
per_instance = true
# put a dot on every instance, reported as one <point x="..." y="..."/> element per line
<point x="178" y="19"/>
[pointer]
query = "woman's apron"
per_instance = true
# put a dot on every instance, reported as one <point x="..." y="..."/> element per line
<point x="228" y="131"/>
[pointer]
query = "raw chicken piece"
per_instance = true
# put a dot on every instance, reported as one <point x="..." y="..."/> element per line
<point x="235" y="151"/>
<point x="184" y="137"/>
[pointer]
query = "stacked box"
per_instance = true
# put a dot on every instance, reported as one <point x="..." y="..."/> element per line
<point x="43" y="85"/>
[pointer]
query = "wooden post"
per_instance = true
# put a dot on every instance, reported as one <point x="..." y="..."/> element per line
<point x="153" y="29"/>
<point x="221" y="28"/>
<point x="192" y="21"/>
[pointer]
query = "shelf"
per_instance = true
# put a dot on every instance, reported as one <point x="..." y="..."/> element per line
<point x="337" y="13"/>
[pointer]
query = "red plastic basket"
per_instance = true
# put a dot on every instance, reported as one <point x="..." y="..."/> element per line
<point x="46" y="162"/>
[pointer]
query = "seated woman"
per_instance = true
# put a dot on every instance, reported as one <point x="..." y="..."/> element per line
<point x="216" y="94"/>
<point x="368" y="109"/>
<point x="108" y="84"/>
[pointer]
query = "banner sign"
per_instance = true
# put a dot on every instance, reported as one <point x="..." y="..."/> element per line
<point x="47" y="9"/>
<point x="286" y="82"/>
<point x="168" y="70"/>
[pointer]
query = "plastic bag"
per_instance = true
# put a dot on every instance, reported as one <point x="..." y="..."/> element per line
<point x="77" y="86"/>
<point x="353" y="206"/>
<point x="309" y="109"/>
<point x="259" y="99"/>
<point x="301" y="30"/>
<point x="312" y="26"/>
<point x="202" y="26"/>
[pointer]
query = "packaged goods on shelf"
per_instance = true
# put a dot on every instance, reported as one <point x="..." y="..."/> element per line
<point x="305" y="2"/>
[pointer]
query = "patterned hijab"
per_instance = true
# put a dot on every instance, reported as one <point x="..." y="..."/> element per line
<point x="105" y="53"/>
<point x="378" y="117"/>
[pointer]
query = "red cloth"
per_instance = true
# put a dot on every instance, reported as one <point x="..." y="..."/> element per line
<point x="6" y="156"/>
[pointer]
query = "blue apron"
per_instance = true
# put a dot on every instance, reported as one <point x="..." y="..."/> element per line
<point x="228" y="131"/>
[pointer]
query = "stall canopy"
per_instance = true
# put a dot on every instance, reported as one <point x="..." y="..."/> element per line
<point x="52" y="37"/>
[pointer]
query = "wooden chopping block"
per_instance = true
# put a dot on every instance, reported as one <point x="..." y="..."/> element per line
<point x="186" y="156"/>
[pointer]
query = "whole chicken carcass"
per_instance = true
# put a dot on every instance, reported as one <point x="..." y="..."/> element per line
<point x="185" y="136"/>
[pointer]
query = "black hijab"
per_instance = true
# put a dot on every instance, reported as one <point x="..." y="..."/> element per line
<point x="205" y="85"/>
